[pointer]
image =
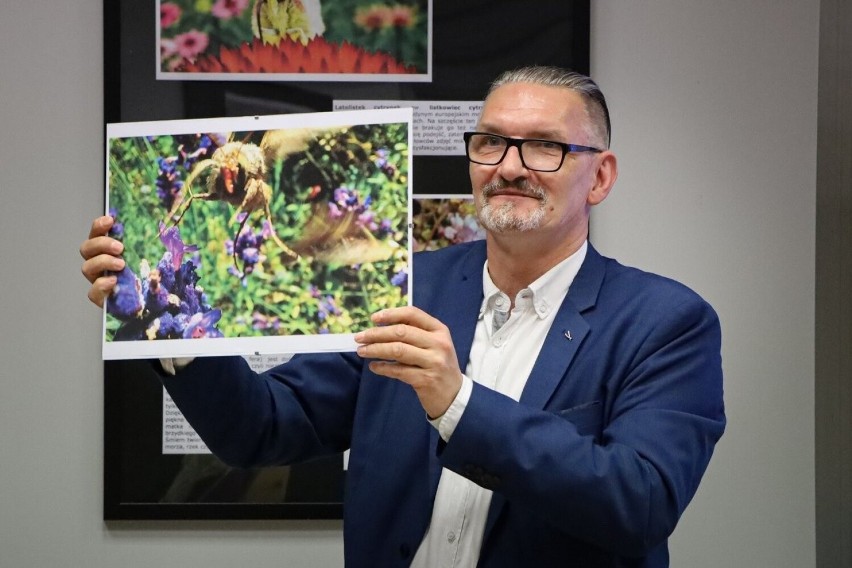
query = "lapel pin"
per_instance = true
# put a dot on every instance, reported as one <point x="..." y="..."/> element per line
<point x="567" y="335"/>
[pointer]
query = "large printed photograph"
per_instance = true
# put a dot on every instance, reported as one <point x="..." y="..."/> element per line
<point x="301" y="40"/>
<point x="278" y="234"/>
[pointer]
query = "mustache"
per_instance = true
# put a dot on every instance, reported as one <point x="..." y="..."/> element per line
<point x="524" y="187"/>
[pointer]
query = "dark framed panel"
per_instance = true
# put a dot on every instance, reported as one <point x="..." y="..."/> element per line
<point x="472" y="42"/>
<point x="141" y="482"/>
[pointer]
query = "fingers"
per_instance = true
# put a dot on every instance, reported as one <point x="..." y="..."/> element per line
<point x="400" y="352"/>
<point x="101" y="255"/>
<point x="99" y="242"/>
<point x="101" y="226"/>
<point x="407" y="335"/>
<point x="411" y="346"/>
<point x="100" y="252"/>
<point x="101" y="289"/>
<point x="408" y="315"/>
<point x="100" y="262"/>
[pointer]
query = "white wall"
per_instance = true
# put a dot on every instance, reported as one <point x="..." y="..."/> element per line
<point x="714" y="105"/>
<point x="714" y="111"/>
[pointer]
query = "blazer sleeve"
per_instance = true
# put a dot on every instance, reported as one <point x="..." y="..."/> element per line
<point x="623" y="488"/>
<point x="277" y="417"/>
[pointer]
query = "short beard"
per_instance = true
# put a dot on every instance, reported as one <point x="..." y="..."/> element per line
<point x="505" y="218"/>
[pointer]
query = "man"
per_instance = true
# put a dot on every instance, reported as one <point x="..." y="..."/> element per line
<point x="540" y="406"/>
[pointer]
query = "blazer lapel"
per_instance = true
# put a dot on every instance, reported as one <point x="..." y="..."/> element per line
<point x="459" y="309"/>
<point x="566" y="334"/>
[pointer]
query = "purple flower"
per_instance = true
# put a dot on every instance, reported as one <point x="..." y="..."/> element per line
<point x="164" y="273"/>
<point x="169" y="184"/>
<point x="346" y="201"/>
<point x="326" y="306"/>
<point x="401" y="279"/>
<point x="381" y="158"/>
<point x="167" y="326"/>
<point x="367" y="220"/>
<point x="126" y="300"/>
<point x="203" y="325"/>
<point x="156" y="294"/>
<point x="334" y="211"/>
<point x="187" y="275"/>
<point x="167" y="302"/>
<point x="346" y="198"/>
<point x="247" y="250"/>
<point x="381" y="161"/>
<point x="385" y="227"/>
<point x="192" y="147"/>
<point x="192" y="301"/>
<point x="117" y="229"/>
<point x="174" y="245"/>
<point x="260" y="322"/>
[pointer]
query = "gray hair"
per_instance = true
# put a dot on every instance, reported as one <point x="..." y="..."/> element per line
<point x="564" y="78"/>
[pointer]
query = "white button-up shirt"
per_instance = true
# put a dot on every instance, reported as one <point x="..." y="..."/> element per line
<point x="505" y="347"/>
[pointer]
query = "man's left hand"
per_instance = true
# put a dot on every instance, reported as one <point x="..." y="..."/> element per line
<point x="411" y="346"/>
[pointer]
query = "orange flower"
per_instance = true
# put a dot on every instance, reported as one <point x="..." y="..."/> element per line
<point x="403" y="16"/>
<point x="378" y="16"/>
<point x="318" y="56"/>
<point x="373" y="17"/>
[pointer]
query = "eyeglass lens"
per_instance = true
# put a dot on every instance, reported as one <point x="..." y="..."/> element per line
<point x="536" y="154"/>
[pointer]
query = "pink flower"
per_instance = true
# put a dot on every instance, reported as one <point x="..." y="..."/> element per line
<point x="191" y="43"/>
<point x="227" y="9"/>
<point x="169" y="14"/>
<point x="168" y="48"/>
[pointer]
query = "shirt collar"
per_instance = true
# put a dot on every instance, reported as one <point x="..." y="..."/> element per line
<point x="546" y="293"/>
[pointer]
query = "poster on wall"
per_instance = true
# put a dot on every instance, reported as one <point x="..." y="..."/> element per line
<point x="276" y="234"/>
<point x="153" y="468"/>
<point x="293" y="40"/>
<point x="156" y="466"/>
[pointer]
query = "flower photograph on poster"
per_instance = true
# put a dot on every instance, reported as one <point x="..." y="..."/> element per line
<point x="442" y="220"/>
<point x="257" y="234"/>
<point x="317" y="40"/>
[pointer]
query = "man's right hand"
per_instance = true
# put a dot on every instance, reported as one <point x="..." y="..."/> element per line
<point x="101" y="255"/>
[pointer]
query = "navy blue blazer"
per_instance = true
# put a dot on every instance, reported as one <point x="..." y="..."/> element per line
<point x="593" y="467"/>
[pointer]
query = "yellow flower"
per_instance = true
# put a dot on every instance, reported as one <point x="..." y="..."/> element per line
<point x="298" y="20"/>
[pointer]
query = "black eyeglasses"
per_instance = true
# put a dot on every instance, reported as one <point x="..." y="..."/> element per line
<point x="536" y="154"/>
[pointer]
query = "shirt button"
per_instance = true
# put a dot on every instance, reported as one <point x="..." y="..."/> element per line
<point x="451" y="537"/>
<point x="499" y="302"/>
